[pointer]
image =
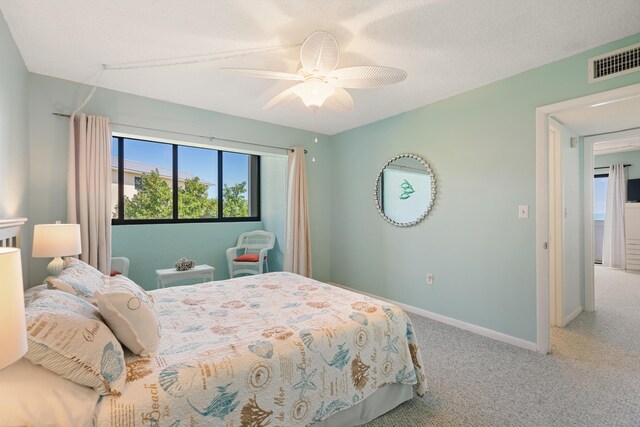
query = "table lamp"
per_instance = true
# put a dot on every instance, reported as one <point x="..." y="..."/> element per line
<point x="13" y="329"/>
<point x="56" y="240"/>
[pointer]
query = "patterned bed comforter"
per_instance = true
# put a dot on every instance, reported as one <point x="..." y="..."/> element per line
<point x="276" y="349"/>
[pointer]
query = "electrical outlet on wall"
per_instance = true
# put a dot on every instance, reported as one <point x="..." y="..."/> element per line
<point x="429" y="279"/>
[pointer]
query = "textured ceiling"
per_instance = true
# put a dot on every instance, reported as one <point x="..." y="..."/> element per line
<point x="620" y="115"/>
<point x="446" y="46"/>
<point x="619" y="120"/>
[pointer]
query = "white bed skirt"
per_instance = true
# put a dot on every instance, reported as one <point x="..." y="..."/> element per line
<point x="381" y="401"/>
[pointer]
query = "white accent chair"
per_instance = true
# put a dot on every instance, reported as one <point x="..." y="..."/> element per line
<point x="249" y="256"/>
<point x="121" y="265"/>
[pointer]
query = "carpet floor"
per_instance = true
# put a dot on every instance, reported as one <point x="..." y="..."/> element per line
<point x="591" y="378"/>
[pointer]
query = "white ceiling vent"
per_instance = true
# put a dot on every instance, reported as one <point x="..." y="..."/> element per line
<point x="615" y="63"/>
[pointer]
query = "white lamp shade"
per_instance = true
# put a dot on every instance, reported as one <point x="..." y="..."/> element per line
<point x="56" y="240"/>
<point x="313" y="94"/>
<point x="13" y="329"/>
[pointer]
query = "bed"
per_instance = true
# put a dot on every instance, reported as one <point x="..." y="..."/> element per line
<point x="276" y="349"/>
<point x="272" y="349"/>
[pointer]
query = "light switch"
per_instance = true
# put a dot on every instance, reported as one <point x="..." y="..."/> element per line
<point x="523" y="211"/>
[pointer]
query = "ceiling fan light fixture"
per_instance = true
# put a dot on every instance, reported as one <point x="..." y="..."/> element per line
<point x="320" y="79"/>
<point x="314" y="94"/>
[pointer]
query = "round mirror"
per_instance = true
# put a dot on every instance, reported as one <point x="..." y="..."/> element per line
<point x="405" y="190"/>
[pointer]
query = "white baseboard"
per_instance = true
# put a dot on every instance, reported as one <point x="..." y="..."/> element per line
<point x="485" y="332"/>
<point x="572" y="316"/>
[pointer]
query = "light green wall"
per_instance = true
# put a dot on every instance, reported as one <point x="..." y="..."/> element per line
<point x="14" y="138"/>
<point x="481" y="146"/>
<point x="150" y="247"/>
<point x="629" y="157"/>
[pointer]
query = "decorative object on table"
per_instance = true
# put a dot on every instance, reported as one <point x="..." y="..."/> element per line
<point x="249" y="256"/>
<point x="405" y="190"/>
<point x="13" y="329"/>
<point x="184" y="264"/>
<point x="56" y="240"/>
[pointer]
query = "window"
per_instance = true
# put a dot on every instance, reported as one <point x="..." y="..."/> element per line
<point x="600" y="196"/>
<point x="155" y="182"/>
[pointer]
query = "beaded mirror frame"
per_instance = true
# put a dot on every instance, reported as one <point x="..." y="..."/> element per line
<point x="377" y="190"/>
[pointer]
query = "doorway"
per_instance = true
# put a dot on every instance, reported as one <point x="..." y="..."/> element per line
<point x="583" y="111"/>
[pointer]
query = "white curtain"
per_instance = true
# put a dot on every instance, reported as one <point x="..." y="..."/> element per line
<point x="613" y="242"/>
<point x="89" y="187"/>
<point x="297" y="253"/>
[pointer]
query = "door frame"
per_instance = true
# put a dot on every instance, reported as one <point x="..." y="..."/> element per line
<point x="543" y="114"/>
<point x="556" y="226"/>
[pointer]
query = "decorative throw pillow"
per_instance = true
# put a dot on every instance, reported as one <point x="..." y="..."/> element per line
<point x="31" y="292"/>
<point x="78" y="278"/>
<point x="248" y="258"/>
<point x="71" y="262"/>
<point x="129" y="311"/>
<point x="67" y="336"/>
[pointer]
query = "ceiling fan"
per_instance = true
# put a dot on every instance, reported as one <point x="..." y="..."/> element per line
<point x="319" y="79"/>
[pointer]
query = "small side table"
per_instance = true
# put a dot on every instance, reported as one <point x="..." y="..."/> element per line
<point x="171" y="275"/>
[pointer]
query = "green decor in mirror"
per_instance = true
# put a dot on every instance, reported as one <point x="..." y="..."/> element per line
<point x="405" y="190"/>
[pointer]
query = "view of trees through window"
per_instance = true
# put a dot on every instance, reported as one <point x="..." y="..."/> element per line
<point x="156" y="175"/>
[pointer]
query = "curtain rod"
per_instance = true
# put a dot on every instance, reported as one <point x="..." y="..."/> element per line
<point x="607" y="167"/>
<point x="210" y="138"/>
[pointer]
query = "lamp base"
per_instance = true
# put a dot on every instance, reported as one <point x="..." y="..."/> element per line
<point x="55" y="267"/>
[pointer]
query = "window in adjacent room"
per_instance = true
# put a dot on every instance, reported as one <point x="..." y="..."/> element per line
<point x="157" y="182"/>
<point x="600" y="183"/>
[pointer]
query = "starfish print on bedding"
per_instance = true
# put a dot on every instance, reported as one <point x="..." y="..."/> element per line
<point x="305" y="382"/>
<point x="391" y="345"/>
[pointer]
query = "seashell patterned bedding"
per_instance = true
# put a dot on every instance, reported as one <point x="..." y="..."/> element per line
<point x="272" y="349"/>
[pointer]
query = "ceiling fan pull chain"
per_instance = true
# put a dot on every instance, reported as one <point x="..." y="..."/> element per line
<point x="315" y="135"/>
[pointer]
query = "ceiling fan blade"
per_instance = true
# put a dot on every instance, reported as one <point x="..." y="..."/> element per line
<point x="265" y="74"/>
<point x="320" y="52"/>
<point x="366" y="76"/>
<point x="341" y="100"/>
<point x="284" y="96"/>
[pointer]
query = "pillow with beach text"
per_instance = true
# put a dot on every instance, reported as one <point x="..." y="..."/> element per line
<point x="67" y="336"/>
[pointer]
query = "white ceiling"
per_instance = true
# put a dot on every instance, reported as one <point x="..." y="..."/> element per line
<point x="446" y="46"/>
<point x="607" y="117"/>
<point x="620" y="119"/>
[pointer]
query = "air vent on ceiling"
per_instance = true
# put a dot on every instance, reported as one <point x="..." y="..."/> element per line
<point x="615" y="63"/>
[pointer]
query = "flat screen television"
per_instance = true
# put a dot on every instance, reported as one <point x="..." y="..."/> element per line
<point x="633" y="190"/>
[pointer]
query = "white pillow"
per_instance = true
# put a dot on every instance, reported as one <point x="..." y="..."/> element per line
<point x="31" y="395"/>
<point x="78" y="278"/>
<point x="67" y="336"/>
<point x="129" y="311"/>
